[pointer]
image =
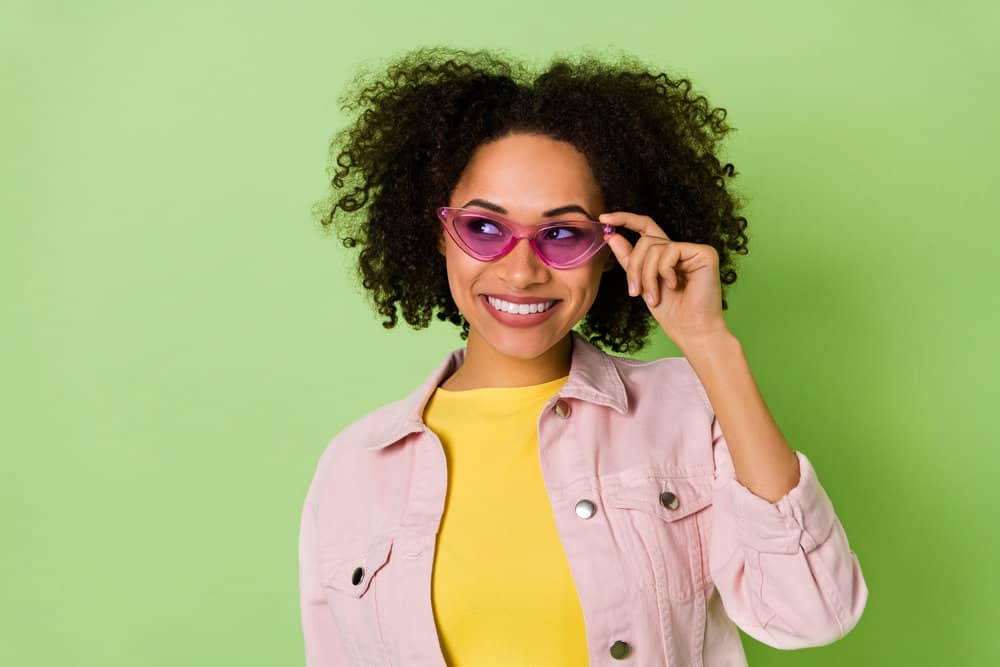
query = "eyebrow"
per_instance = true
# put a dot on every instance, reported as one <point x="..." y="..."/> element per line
<point x="571" y="208"/>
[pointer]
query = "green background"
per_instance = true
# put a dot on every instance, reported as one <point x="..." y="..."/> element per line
<point x="180" y="341"/>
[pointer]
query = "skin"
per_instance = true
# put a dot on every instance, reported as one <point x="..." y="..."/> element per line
<point x="525" y="174"/>
<point x="528" y="174"/>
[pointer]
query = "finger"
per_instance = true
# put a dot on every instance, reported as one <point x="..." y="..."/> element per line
<point x="634" y="269"/>
<point x="638" y="261"/>
<point x="633" y="260"/>
<point x="635" y="264"/>
<point x="669" y="266"/>
<point x="643" y="224"/>
<point x="651" y="273"/>
<point x="620" y="247"/>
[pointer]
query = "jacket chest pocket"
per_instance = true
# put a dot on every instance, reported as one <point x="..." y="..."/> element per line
<point x="351" y="576"/>
<point x="666" y="520"/>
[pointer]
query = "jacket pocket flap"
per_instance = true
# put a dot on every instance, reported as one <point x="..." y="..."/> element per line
<point x="669" y="498"/>
<point x="350" y="569"/>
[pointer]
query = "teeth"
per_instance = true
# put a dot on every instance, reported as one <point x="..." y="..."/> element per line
<point x="519" y="308"/>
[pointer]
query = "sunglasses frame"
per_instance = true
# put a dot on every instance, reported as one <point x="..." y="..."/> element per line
<point x="448" y="214"/>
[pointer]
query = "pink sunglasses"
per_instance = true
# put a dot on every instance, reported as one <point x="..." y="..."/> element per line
<point x="487" y="236"/>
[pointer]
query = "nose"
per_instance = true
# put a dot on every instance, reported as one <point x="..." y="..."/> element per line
<point x="521" y="267"/>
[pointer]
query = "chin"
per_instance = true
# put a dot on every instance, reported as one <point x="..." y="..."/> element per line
<point x="525" y="352"/>
<point x="524" y="344"/>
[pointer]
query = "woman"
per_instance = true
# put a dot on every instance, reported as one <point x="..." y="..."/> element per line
<point x="537" y="500"/>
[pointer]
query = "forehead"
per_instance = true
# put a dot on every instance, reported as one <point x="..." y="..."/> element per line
<point x="525" y="173"/>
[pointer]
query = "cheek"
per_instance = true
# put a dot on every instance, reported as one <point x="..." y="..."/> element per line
<point x="454" y="280"/>
<point x="461" y="274"/>
<point x="595" y="275"/>
<point x="586" y="283"/>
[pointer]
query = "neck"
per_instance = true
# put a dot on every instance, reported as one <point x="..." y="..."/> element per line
<point x="485" y="367"/>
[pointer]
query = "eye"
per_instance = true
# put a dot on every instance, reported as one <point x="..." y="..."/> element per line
<point x="483" y="227"/>
<point x="560" y="234"/>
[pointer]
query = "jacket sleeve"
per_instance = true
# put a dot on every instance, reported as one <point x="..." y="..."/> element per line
<point x="323" y="647"/>
<point x="784" y="570"/>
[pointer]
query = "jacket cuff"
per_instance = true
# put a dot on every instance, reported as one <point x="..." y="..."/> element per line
<point x="801" y="519"/>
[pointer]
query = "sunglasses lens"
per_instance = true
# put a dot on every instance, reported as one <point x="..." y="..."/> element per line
<point x="482" y="235"/>
<point x="565" y="245"/>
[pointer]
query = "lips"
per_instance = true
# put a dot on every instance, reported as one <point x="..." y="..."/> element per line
<point x="509" y="298"/>
<point x="517" y="320"/>
<point x="520" y="308"/>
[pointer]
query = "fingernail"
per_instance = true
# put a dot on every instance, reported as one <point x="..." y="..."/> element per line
<point x="631" y="289"/>
<point x="649" y="299"/>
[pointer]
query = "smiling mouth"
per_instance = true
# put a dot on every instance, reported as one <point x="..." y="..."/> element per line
<point x="533" y="308"/>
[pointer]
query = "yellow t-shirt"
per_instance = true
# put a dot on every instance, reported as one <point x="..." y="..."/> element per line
<point x="501" y="588"/>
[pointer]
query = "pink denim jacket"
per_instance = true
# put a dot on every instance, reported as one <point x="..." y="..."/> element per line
<point x="668" y="551"/>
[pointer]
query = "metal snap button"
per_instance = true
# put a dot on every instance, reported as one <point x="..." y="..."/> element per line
<point x="358" y="575"/>
<point x="620" y="650"/>
<point x="562" y="409"/>
<point x="669" y="500"/>
<point x="585" y="509"/>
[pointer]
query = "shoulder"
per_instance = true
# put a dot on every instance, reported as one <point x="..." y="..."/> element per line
<point x="346" y="450"/>
<point x="360" y="450"/>
<point x="670" y="378"/>
<point x="360" y="431"/>
<point x="666" y="428"/>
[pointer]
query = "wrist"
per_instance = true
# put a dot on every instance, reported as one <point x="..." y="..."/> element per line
<point x="709" y="342"/>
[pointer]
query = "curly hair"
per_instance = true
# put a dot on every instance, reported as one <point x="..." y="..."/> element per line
<point x="650" y="143"/>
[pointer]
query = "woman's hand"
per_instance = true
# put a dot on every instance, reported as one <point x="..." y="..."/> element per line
<point x="680" y="281"/>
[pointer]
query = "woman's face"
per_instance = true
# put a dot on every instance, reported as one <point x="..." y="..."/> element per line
<point x="526" y="175"/>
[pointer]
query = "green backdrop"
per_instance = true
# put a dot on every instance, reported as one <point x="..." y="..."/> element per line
<point x="180" y="341"/>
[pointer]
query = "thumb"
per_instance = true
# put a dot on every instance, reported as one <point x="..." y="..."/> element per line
<point x="620" y="247"/>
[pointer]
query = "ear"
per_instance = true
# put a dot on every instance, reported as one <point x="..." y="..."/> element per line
<point x="442" y="245"/>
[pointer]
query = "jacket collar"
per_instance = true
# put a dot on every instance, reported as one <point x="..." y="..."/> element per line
<point x="593" y="377"/>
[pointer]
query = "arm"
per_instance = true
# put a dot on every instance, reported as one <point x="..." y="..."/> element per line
<point x="778" y="554"/>
<point x="763" y="461"/>
<point x="323" y="646"/>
